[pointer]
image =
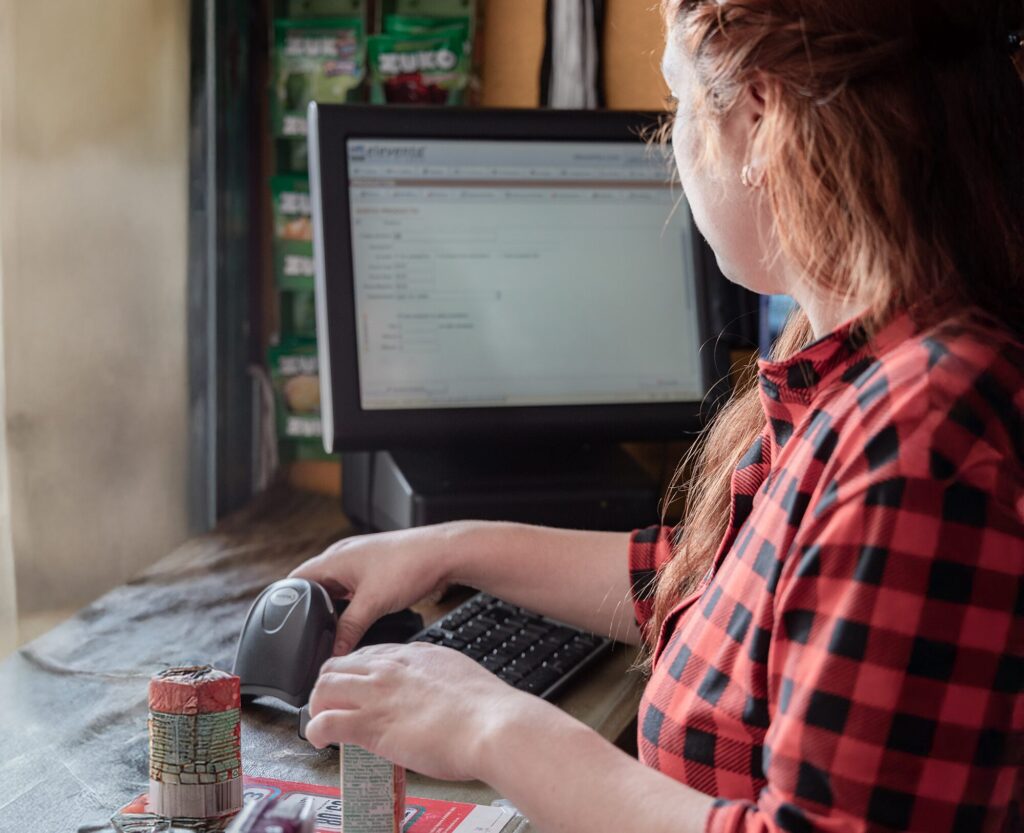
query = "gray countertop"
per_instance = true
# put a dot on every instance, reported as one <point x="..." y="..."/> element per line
<point x="73" y="740"/>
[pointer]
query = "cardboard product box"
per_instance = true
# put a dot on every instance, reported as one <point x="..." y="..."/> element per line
<point x="293" y="232"/>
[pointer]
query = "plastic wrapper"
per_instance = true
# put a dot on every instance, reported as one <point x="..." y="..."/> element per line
<point x="293" y="232"/>
<point x="315" y="59"/>
<point x="294" y="374"/>
<point x="195" y="764"/>
<point x="413" y="64"/>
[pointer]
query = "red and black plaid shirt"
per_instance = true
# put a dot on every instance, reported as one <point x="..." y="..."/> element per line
<point x="855" y="658"/>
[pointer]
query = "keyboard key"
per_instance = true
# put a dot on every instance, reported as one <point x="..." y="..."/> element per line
<point x="492" y="662"/>
<point x="502" y="611"/>
<point x="471" y="631"/>
<point x="452" y="642"/>
<point x="558" y="666"/>
<point x="563" y="634"/>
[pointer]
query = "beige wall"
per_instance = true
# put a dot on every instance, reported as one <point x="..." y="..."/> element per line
<point x="93" y="204"/>
<point x="8" y="600"/>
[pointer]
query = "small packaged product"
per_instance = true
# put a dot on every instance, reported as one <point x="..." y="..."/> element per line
<point x="413" y="64"/>
<point x="408" y="24"/>
<point x="293" y="232"/>
<point x="298" y="314"/>
<point x="295" y="377"/>
<point x="372" y="792"/>
<point x="315" y="59"/>
<point x="324" y="8"/>
<point x="275" y="814"/>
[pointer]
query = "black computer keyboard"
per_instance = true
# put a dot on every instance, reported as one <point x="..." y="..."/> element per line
<point x="530" y="652"/>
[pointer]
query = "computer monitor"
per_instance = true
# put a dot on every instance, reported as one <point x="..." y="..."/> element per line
<point x="500" y="276"/>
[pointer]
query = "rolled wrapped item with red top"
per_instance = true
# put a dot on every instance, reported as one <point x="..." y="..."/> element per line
<point x="195" y="763"/>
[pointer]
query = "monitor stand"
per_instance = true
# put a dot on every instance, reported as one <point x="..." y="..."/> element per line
<point x="589" y="487"/>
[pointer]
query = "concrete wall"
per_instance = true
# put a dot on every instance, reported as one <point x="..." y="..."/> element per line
<point x="94" y="155"/>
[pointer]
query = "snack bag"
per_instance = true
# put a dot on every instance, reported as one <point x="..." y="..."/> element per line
<point x="428" y="8"/>
<point x="295" y="376"/>
<point x="315" y="59"/>
<point x="324" y="8"/>
<point x="403" y="24"/>
<point x="293" y="232"/>
<point x="298" y="314"/>
<point x="426" y="68"/>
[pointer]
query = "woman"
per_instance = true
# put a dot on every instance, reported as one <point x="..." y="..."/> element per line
<point x="837" y="628"/>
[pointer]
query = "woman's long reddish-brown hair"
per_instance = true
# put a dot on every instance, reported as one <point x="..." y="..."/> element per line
<point x="891" y="144"/>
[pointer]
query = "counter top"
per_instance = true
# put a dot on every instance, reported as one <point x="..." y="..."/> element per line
<point x="73" y="740"/>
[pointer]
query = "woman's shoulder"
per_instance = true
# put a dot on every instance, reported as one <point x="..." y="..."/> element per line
<point x="939" y="400"/>
<point x="969" y="368"/>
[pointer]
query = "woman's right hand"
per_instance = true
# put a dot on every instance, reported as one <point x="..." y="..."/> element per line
<point x="382" y="573"/>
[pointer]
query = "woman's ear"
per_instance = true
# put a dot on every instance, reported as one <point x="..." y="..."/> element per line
<point x="755" y="97"/>
<point x="740" y="126"/>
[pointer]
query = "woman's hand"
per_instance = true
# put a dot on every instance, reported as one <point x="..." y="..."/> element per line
<point x="576" y="576"/>
<point x="437" y="712"/>
<point x="382" y="573"/>
<point x="427" y="708"/>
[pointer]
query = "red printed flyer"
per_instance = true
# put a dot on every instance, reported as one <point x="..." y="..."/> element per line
<point x="422" y="815"/>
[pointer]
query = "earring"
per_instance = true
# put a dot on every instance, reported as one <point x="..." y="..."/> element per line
<point x="747" y="177"/>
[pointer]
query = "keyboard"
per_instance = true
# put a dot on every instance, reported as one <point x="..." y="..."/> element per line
<point x="530" y="652"/>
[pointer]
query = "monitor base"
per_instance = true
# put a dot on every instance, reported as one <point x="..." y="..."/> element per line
<point x="592" y="487"/>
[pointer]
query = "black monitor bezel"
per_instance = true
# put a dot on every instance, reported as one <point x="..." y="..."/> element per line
<point x="347" y="426"/>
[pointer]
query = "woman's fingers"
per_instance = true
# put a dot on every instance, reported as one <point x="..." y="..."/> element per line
<point x="333" y="726"/>
<point x="334" y="690"/>
<point x="369" y="659"/>
<point x="357" y="680"/>
<point x="362" y="611"/>
<point x="321" y="568"/>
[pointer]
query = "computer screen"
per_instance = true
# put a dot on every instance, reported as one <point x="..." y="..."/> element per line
<point x="510" y="274"/>
<point x="493" y="273"/>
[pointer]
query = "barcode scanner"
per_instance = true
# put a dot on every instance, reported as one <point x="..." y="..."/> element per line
<point x="289" y="634"/>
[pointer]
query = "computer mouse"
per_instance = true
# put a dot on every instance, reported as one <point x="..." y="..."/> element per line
<point x="289" y="633"/>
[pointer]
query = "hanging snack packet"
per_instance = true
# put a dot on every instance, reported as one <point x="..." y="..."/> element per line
<point x="405" y="24"/>
<point x="323" y="8"/>
<point x="297" y="314"/>
<point x="425" y="68"/>
<point x="317" y="59"/>
<point x="295" y="376"/>
<point x="293" y="232"/>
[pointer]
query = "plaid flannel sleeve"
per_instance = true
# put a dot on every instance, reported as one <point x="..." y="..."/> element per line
<point x="897" y="664"/>
<point x="649" y="549"/>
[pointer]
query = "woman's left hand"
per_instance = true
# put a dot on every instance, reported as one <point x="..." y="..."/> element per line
<point x="427" y="708"/>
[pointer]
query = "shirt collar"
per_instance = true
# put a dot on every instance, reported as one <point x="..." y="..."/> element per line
<point x="789" y="388"/>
